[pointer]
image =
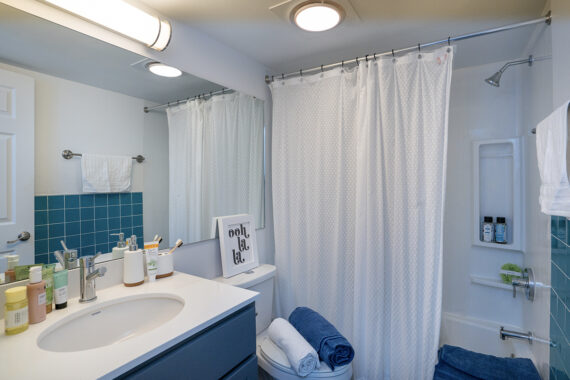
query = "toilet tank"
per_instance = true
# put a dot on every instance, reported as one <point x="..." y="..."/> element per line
<point x="259" y="280"/>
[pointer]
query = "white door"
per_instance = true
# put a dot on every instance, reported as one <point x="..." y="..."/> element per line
<point x="17" y="165"/>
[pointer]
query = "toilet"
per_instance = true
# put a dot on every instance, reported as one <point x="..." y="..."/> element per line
<point x="270" y="358"/>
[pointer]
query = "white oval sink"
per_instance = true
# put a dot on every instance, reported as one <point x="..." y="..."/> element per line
<point x="110" y="322"/>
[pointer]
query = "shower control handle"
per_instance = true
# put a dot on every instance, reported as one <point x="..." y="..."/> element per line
<point x="526" y="282"/>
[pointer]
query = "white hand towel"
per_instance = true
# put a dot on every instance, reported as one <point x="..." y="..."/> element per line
<point x="302" y="356"/>
<point x="551" y="150"/>
<point x="106" y="174"/>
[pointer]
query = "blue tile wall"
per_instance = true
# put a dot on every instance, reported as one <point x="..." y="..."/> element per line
<point x="560" y="299"/>
<point x="85" y="222"/>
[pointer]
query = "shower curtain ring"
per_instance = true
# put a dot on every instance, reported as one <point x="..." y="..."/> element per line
<point x="356" y="61"/>
<point x="342" y="64"/>
<point x="449" y="41"/>
<point x="374" y="56"/>
<point x="322" y="70"/>
<point x="366" y="58"/>
<point x="419" y="47"/>
<point x="393" y="55"/>
<point x="301" y="72"/>
<point x="282" y="76"/>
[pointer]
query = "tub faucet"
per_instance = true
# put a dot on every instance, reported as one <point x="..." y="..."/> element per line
<point x="526" y="282"/>
<point x="87" y="276"/>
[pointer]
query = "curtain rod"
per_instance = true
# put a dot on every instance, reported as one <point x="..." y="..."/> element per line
<point x="546" y="19"/>
<point x="176" y="102"/>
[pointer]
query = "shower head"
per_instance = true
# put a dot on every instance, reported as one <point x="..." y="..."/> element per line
<point x="494" y="79"/>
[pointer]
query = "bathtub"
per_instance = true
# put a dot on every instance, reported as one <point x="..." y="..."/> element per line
<point x="481" y="336"/>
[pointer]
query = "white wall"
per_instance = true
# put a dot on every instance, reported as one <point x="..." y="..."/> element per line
<point x="200" y="55"/>
<point x="86" y="119"/>
<point x="536" y="97"/>
<point x="478" y="111"/>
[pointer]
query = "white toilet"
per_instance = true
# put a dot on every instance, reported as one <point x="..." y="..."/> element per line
<point x="270" y="357"/>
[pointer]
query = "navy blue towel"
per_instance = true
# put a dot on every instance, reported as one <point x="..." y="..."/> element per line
<point x="332" y="347"/>
<point x="464" y="364"/>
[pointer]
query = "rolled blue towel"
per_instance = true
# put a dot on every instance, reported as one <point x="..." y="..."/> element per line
<point x="487" y="367"/>
<point x="332" y="347"/>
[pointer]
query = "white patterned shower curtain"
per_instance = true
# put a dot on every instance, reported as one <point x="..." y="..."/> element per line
<point x="359" y="160"/>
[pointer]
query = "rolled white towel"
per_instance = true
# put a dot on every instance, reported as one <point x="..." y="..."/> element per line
<point x="302" y="356"/>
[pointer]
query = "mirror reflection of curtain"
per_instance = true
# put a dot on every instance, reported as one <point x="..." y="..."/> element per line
<point x="216" y="163"/>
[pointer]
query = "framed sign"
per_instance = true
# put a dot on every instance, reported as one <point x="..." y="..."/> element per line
<point x="238" y="244"/>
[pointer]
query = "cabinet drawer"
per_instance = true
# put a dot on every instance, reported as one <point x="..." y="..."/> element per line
<point x="209" y="354"/>
<point x="246" y="371"/>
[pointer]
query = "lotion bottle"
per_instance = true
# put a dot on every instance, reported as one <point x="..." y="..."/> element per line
<point x="133" y="264"/>
<point x="119" y="251"/>
<point x="36" y="291"/>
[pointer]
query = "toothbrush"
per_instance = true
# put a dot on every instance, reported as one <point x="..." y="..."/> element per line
<point x="178" y="244"/>
<point x="59" y="258"/>
<point x="63" y="245"/>
<point x="155" y="237"/>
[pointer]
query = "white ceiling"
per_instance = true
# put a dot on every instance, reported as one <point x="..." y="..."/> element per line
<point x="40" y="45"/>
<point x="268" y="36"/>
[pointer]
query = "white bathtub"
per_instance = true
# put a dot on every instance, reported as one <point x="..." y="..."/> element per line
<point x="481" y="336"/>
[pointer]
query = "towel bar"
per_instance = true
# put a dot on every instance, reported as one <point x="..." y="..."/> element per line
<point x="67" y="154"/>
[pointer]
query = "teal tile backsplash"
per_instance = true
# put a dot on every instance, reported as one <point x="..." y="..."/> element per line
<point x="85" y="222"/>
<point x="560" y="299"/>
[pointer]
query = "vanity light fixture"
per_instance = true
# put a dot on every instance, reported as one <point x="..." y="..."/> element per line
<point x="317" y="16"/>
<point x="163" y="70"/>
<point x="122" y="17"/>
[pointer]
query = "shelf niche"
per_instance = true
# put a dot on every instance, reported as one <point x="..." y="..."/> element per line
<point x="497" y="181"/>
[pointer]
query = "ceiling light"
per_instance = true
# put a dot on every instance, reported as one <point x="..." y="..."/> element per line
<point x="122" y="17"/>
<point x="163" y="70"/>
<point x="317" y="16"/>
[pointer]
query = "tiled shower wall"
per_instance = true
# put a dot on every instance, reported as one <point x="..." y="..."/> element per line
<point x="560" y="299"/>
<point x="85" y="222"/>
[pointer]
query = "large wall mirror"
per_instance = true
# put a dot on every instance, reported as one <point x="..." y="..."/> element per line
<point x="203" y="157"/>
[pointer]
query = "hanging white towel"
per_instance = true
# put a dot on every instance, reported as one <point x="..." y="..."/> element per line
<point x="302" y="356"/>
<point x="551" y="150"/>
<point x="106" y="174"/>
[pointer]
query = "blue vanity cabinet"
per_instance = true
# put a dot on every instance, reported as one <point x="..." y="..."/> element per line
<point x="225" y="350"/>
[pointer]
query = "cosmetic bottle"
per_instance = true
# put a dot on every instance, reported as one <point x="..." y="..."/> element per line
<point x="119" y="251"/>
<point x="36" y="291"/>
<point x="15" y="310"/>
<point x="60" y="279"/>
<point x="133" y="264"/>
<point x="47" y="276"/>
<point x="12" y="262"/>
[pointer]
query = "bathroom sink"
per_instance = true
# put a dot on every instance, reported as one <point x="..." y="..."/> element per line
<point x="110" y="322"/>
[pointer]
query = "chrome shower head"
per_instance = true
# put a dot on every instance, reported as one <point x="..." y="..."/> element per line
<point x="494" y="80"/>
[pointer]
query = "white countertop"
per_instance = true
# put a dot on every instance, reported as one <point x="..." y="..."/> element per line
<point x="205" y="303"/>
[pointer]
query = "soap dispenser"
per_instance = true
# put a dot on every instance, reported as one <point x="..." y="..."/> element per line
<point x="119" y="250"/>
<point x="133" y="265"/>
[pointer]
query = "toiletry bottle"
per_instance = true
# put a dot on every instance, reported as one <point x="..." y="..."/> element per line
<point x="60" y="287"/>
<point x="488" y="232"/>
<point x="119" y="251"/>
<point x="501" y="230"/>
<point x="47" y="276"/>
<point x="151" y="255"/>
<point x="133" y="264"/>
<point x="36" y="291"/>
<point x="13" y="261"/>
<point x="15" y="310"/>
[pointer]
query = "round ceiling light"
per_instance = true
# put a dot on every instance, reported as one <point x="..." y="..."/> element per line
<point x="163" y="70"/>
<point x="317" y="16"/>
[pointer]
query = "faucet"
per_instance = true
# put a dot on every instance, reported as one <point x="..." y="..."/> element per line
<point x="87" y="276"/>
<point x="526" y="282"/>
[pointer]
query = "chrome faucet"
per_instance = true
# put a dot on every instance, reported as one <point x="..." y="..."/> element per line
<point x="526" y="282"/>
<point x="87" y="276"/>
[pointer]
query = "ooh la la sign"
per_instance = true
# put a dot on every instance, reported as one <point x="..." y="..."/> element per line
<point x="238" y="244"/>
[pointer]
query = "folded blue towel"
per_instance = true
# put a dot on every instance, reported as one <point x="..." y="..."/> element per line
<point x="332" y="347"/>
<point x="483" y="366"/>
<point x="444" y="371"/>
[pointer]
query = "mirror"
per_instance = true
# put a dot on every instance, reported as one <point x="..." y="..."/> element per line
<point x="203" y="158"/>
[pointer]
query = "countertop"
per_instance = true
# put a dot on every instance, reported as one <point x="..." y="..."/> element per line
<point x="205" y="303"/>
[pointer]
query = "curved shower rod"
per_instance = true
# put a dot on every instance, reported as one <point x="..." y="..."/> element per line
<point x="544" y="19"/>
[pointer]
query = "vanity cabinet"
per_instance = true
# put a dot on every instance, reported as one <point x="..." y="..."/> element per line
<point x="225" y="350"/>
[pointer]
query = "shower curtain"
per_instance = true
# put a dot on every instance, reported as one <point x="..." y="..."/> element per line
<point x="359" y="159"/>
<point x="215" y="163"/>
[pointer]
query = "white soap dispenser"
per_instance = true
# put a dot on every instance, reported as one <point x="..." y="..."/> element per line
<point x="133" y="265"/>
<point x="119" y="251"/>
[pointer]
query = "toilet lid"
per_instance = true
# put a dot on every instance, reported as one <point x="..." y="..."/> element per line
<point x="277" y="358"/>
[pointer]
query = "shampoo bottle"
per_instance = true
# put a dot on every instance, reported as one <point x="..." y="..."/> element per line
<point x="36" y="291"/>
<point x="60" y="287"/>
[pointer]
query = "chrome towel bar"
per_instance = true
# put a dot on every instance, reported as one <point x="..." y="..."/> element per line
<point x="67" y="154"/>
